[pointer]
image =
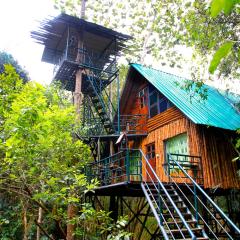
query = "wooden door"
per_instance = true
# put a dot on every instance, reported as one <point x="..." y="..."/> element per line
<point x="151" y="156"/>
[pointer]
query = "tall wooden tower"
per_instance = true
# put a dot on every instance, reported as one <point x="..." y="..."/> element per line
<point x="84" y="55"/>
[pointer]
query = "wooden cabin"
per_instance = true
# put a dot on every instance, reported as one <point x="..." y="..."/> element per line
<point x="182" y="122"/>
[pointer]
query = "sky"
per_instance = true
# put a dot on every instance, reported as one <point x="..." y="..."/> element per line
<point x="17" y="19"/>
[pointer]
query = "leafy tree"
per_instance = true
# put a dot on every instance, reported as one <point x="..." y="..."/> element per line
<point x="6" y="58"/>
<point x="42" y="163"/>
<point x="168" y="31"/>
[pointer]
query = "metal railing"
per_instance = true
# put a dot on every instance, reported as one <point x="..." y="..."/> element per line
<point x="123" y="166"/>
<point x="203" y="204"/>
<point x="133" y="124"/>
<point x="191" y="164"/>
<point x="162" y="205"/>
<point x="89" y="59"/>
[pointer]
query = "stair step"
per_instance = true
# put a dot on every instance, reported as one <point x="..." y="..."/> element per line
<point x="172" y="208"/>
<point x="180" y="222"/>
<point x="198" y="238"/>
<point x="173" y="196"/>
<point x="161" y="191"/>
<point x="169" y="216"/>
<point x="184" y="230"/>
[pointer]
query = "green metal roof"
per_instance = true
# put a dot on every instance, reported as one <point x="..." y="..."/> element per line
<point x="215" y="111"/>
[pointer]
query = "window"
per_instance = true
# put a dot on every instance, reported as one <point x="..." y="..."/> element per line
<point x="151" y="151"/>
<point x="177" y="144"/>
<point x="158" y="103"/>
<point x="143" y="97"/>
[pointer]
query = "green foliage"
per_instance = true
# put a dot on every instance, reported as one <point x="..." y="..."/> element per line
<point x="10" y="218"/>
<point x="165" y="31"/>
<point x="41" y="161"/>
<point x="221" y="53"/>
<point x="222" y="5"/>
<point x="92" y="224"/>
<point x="42" y="164"/>
<point x="6" y="58"/>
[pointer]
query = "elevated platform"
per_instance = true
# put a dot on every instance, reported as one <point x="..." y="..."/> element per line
<point x="128" y="189"/>
<point x="116" y="135"/>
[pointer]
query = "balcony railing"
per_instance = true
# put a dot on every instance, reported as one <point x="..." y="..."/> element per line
<point x="125" y="165"/>
<point x="104" y="63"/>
<point x="191" y="164"/>
<point x="132" y="124"/>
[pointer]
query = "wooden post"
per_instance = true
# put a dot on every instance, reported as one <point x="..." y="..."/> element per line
<point x="111" y="148"/>
<point x="113" y="208"/>
<point x="71" y="213"/>
<point x="99" y="149"/>
<point x="78" y="97"/>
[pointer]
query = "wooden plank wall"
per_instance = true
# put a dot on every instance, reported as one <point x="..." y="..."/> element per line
<point x="159" y="135"/>
<point x="215" y="150"/>
<point x="130" y="103"/>
<point x="217" y="154"/>
<point x="159" y="120"/>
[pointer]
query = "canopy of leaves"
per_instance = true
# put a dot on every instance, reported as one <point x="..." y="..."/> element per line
<point x="6" y="58"/>
<point x="166" y="31"/>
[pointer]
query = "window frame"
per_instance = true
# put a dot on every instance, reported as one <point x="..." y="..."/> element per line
<point x="160" y="98"/>
<point x="166" y="152"/>
<point x="152" y="151"/>
<point x="143" y="96"/>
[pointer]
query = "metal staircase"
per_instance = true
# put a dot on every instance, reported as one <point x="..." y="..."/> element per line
<point x="182" y="210"/>
<point x="96" y="81"/>
<point x="174" y="218"/>
<point x="184" y="214"/>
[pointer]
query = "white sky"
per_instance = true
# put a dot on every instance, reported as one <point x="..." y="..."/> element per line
<point x="17" y="19"/>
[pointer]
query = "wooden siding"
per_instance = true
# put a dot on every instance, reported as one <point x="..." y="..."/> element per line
<point x="216" y="152"/>
<point x="209" y="143"/>
<point x="159" y="120"/>
<point x="130" y="103"/>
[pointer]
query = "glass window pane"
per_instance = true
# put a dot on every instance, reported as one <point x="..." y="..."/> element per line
<point x="151" y="88"/>
<point x="153" y="98"/>
<point x="178" y="144"/>
<point x="153" y="111"/>
<point x="163" y="106"/>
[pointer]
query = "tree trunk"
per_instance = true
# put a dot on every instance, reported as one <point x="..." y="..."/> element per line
<point x="25" y="225"/>
<point x="71" y="213"/>
<point x="40" y="211"/>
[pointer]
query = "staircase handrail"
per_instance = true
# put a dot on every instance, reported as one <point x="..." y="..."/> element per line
<point x="206" y="195"/>
<point x="98" y="76"/>
<point x="168" y="196"/>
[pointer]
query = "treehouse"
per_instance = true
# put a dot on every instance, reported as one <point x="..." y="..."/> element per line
<point x="187" y="148"/>
<point x="156" y="141"/>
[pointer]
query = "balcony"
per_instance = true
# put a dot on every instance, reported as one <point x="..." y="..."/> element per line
<point x="102" y="65"/>
<point x="124" y="166"/>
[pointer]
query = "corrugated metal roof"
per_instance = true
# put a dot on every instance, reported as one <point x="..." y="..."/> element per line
<point x="215" y="111"/>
